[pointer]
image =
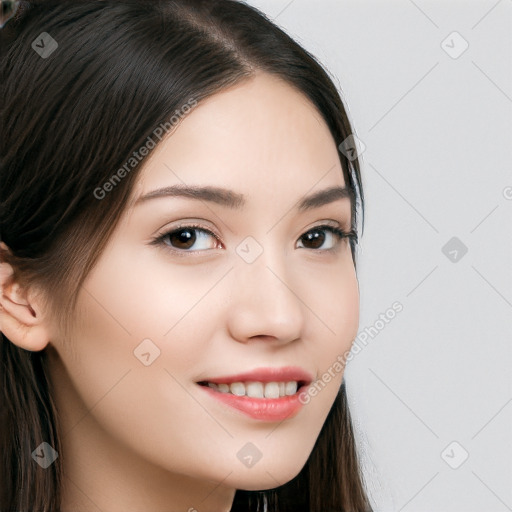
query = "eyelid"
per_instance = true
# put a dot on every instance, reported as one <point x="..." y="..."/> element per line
<point x="331" y="223"/>
<point x="196" y="223"/>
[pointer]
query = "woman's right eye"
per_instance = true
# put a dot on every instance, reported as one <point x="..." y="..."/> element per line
<point x="188" y="239"/>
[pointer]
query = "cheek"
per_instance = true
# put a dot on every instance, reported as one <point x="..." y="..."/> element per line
<point x="333" y="326"/>
<point x="342" y="306"/>
<point x="144" y="317"/>
<point x="147" y="296"/>
<point x="132" y="401"/>
<point x="333" y="298"/>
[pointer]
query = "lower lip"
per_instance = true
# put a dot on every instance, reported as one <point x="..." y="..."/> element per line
<point x="264" y="409"/>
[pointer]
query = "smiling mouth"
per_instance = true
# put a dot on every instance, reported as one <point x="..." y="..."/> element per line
<point x="257" y="389"/>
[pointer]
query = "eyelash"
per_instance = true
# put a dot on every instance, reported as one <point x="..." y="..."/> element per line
<point x="339" y="232"/>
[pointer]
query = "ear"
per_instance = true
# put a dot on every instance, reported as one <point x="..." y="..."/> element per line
<point x="21" y="317"/>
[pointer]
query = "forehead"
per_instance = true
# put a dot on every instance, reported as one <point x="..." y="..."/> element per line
<point x="261" y="136"/>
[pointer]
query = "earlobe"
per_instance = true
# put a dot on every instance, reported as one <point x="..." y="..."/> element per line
<point x="21" y="319"/>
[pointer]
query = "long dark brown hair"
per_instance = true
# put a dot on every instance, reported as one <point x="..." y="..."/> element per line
<point x="69" y="120"/>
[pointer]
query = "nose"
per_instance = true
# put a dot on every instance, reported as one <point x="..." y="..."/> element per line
<point x="264" y="304"/>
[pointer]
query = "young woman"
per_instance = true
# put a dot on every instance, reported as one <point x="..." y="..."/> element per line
<point x="178" y="287"/>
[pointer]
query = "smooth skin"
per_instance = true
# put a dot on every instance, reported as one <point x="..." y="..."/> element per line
<point x="139" y="438"/>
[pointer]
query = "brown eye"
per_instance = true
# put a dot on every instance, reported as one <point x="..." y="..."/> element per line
<point x="322" y="236"/>
<point x="188" y="239"/>
<point x="183" y="239"/>
<point x="313" y="239"/>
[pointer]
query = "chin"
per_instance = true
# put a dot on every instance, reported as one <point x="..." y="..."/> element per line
<point x="266" y="478"/>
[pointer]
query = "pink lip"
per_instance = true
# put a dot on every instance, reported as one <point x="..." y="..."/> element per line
<point x="283" y="374"/>
<point x="264" y="409"/>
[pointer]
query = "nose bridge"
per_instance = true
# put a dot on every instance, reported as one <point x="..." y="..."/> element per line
<point x="263" y="300"/>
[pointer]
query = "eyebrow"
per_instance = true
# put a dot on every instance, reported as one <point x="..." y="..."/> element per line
<point x="234" y="200"/>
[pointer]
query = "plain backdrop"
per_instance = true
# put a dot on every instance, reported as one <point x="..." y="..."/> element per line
<point x="428" y="86"/>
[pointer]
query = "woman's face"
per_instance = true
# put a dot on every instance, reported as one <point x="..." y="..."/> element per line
<point x="239" y="285"/>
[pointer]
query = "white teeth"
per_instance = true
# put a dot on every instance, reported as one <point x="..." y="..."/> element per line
<point x="271" y="390"/>
<point x="237" y="388"/>
<point x="254" y="389"/>
<point x="257" y="389"/>
<point x="291" y="388"/>
<point x="223" y="388"/>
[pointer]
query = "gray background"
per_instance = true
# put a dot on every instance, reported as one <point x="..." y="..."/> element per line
<point x="437" y="131"/>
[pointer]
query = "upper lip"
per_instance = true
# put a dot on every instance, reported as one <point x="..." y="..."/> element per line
<point x="282" y="374"/>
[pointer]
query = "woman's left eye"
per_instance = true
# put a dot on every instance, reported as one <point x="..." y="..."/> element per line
<point x="319" y="236"/>
<point x="194" y="238"/>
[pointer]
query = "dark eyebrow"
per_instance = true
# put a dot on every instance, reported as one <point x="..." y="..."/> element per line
<point x="326" y="196"/>
<point x="213" y="194"/>
<point x="235" y="200"/>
